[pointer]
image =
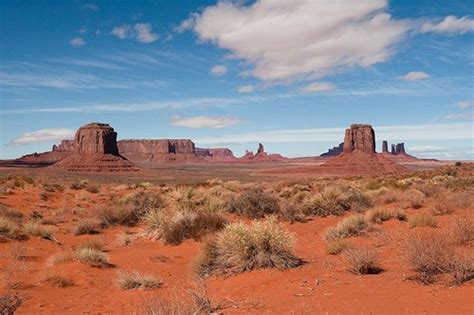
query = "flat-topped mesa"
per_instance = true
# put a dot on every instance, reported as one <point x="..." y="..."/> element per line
<point x="359" y="137"/>
<point x="400" y="149"/>
<point x="385" y="146"/>
<point x="96" y="138"/>
<point x="214" y="152"/>
<point x="335" y="151"/>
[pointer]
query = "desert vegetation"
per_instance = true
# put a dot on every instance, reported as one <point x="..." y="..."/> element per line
<point x="125" y="235"/>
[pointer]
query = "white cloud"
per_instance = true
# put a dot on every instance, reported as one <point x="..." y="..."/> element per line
<point x="464" y="104"/>
<point x="246" y="89"/>
<point x="77" y="42"/>
<point x="90" y="6"/>
<point x="205" y="122"/>
<point x="427" y="149"/>
<point x="122" y="32"/>
<point x="187" y="24"/>
<point x="218" y="70"/>
<point x="453" y="131"/>
<point x="318" y="87"/>
<point x="142" y="32"/>
<point x="44" y="135"/>
<point x="451" y="24"/>
<point x="288" y="40"/>
<point x="415" y="76"/>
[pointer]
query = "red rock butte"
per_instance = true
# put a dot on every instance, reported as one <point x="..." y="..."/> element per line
<point x="359" y="137"/>
<point x="94" y="149"/>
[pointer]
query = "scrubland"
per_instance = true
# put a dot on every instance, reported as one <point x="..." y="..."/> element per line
<point x="312" y="245"/>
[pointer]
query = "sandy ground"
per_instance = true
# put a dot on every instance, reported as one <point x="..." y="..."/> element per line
<point x="321" y="286"/>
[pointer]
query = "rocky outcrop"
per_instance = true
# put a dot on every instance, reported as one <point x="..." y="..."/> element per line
<point x="260" y="149"/>
<point x="385" y="146"/>
<point x="215" y="153"/>
<point x="94" y="150"/>
<point x="396" y="149"/>
<point x="335" y="151"/>
<point x="359" y="137"/>
<point x="400" y="148"/>
<point x="158" y="150"/>
<point x="260" y="156"/>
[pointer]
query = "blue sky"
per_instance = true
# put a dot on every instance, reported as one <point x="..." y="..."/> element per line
<point x="290" y="74"/>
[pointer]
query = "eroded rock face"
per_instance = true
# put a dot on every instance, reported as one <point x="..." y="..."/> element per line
<point x="385" y="146"/>
<point x="96" y="138"/>
<point x="359" y="137"/>
<point x="335" y="151"/>
<point x="214" y="152"/>
<point x="260" y="149"/>
<point x="400" y="148"/>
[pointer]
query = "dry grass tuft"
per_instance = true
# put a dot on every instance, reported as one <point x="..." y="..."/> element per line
<point x="11" y="230"/>
<point x="351" y="226"/>
<point x="337" y="246"/>
<point x="92" y="257"/>
<point x="9" y="303"/>
<point x="380" y="215"/>
<point x="362" y="261"/>
<point x="58" y="281"/>
<point x="95" y="244"/>
<point x="59" y="258"/>
<point x="241" y="247"/>
<point x="87" y="226"/>
<point x="134" y="280"/>
<point x="422" y="220"/>
<point x="414" y="199"/>
<point x="254" y="202"/>
<point x="35" y="229"/>
<point x="462" y="231"/>
<point x="329" y="202"/>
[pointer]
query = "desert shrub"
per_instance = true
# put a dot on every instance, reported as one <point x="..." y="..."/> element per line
<point x="53" y="188"/>
<point x="60" y="258"/>
<point x="240" y="247"/>
<point x="290" y="211"/>
<point x="254" y="202"/>
<point x="79" y="184"/>
<point x="10" y="214"/>
<point x="462" y="268"/>
<point x="9" y="303"/>
<point x="117" y="215"/>
<point x="92" y="188"/>
<point x="92" y="257"/>
<point x="359" y="200"/>
<point x="362" y="261"/>
<point x="35" y="229"/>
<point x="388" y="196"/>
<point x="95" y="244"/>
<point x="58" y="281"/>
<point x="131" y="209"/>
<point x="380" y="215"/>
<point x="351" y="226"/>
<point x="10" y="229"/>
<point x="328" y="202"/>
<point x="337" y="246"/>
<point x="443" y="205"/>
<point x="422" y="220"/>
<point x="462" y="200"/>
<point x="125" y="238"/>
<point x="87" y="226"/>
<point x="428" y="189"/>
<point x="458" y="164"/>
<point x="414" y="199"/>
<point x="429" y="254"/>
<point x="132" y="280"/>
<point x="462" y="231"/>
<point x="174" y="225"/>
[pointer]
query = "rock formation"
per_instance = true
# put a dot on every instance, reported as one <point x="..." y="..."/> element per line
<point x="385" y="146"/>
<point x="215" y="154"/>
<point x="260" y="149"/>
<point x="335" y="151"/>
<point x="359" y="156"/>
<point x="359" y="137"/>
<point x="157" y="150"/>
<point x="94" y="149"/>
<point x="260" y="156"/>
<point x="400" y="148"/>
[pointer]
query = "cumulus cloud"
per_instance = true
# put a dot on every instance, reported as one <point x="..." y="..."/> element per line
<point x="142" y="32"/>
<point x="205" y="122"/>
<point x="451" y="25"/>
<point x="187" y="24"/>
<point x="44" y="135"/>
<point x="318" y="87"/>
<point x="218" y="70"/>
<point x="287" y="40"/>
<point x="246" y="89"/>
<point x="415" y="76"/>
<point x="77" y="42"/>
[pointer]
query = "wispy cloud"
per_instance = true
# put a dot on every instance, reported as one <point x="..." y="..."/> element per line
<point x="204" y="122"/>
<point x="454" y="131"/>
<point x="465" y="116"/>
<point x="415" y="76"/>
<point x="90" y="6"/>
<point x="464" y="104"/>
<point x="95" y="63"/>
<point x="246" y="89"/>
<point x="43" y="136"/>
<point x="450" y="24"/>
<point x="318" y="87"/>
